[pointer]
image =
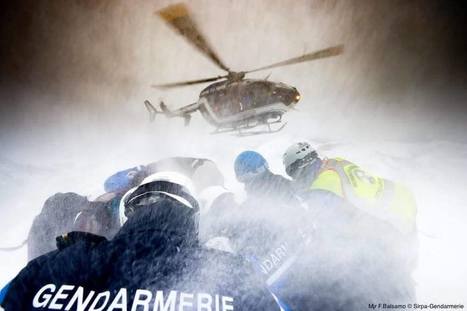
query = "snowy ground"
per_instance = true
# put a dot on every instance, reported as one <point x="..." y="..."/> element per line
<point x="434" y="170"/>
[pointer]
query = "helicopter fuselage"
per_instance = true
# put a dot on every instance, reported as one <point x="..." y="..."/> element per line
<point x="246" y="103"/>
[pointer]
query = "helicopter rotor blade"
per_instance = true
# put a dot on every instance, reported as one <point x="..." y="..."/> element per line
<point x="179" y="18"/>
<point x="189" y="82"/>
<point x="331" y="51"/>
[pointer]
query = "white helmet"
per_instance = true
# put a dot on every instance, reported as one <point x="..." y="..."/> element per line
<point x="171" y="184"/>
<point x="298" y="156"/>
<point x="173" y="178"/>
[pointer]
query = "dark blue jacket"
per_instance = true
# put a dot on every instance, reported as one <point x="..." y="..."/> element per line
<point x="142" y="265"/>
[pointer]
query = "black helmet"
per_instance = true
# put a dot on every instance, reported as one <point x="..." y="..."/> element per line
<point x="166" y="197"/>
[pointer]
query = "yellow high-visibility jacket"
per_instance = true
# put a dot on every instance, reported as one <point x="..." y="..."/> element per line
<point x="379" y="197"/>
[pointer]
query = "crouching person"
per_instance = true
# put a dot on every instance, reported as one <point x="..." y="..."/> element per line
<point x="153" y="263"/>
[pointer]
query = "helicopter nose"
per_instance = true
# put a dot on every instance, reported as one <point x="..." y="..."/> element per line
<point x="297" y="96"/>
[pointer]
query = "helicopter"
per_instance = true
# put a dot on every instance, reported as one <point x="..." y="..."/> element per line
<point x="233" y="103"/>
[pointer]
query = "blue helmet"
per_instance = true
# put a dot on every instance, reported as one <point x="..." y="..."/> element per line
<point x="249" y="164"/>
<point x="124" y="180"/>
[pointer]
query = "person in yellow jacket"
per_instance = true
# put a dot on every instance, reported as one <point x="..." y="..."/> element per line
<point x="379" y="197"/>
<point x="353" y="209"/>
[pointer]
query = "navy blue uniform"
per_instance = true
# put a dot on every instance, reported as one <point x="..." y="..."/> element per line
<point x="275" y="242"/>
<point x="144" y="267"/>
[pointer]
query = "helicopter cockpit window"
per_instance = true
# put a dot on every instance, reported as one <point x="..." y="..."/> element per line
<point x="283" y="95"/>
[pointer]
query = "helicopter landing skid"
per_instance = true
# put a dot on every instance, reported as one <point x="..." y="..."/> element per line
<point x="246" y="130"/>
<point x="268" y="131"/>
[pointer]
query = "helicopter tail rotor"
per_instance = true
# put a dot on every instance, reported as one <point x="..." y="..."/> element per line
<point x="153" y="110"/>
